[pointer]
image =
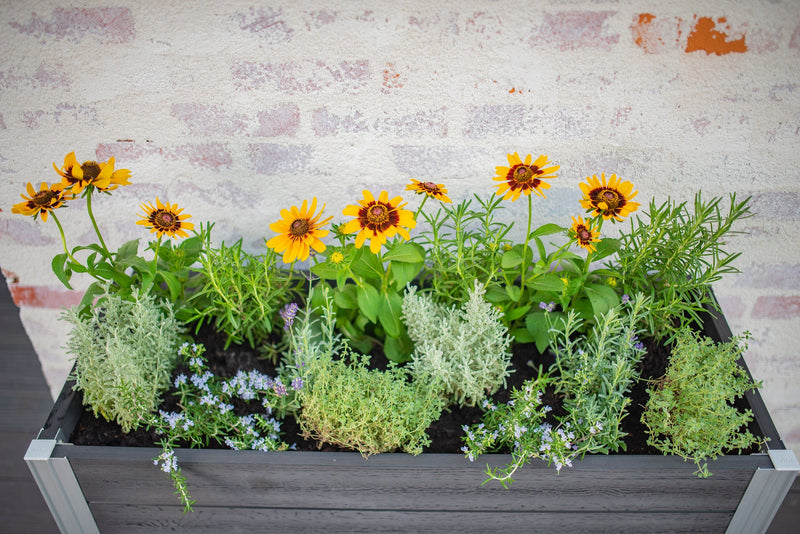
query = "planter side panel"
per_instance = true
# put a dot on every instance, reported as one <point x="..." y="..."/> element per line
<point x="368" y="486"/>
<point x="132" y="519"/>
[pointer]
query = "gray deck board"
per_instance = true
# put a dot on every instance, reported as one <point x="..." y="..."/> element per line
<point x="24" y="405"/>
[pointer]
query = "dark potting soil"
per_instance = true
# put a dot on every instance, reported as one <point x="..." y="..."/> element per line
<point x="445" y="433"/>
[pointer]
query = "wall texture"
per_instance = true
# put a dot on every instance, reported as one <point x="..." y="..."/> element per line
<point x="236" y="109"/>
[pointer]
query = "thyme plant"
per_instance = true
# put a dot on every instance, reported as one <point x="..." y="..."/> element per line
<point x="124" y="351"/>
<point x="690" y="411"/>
<point x="467" y="351"/>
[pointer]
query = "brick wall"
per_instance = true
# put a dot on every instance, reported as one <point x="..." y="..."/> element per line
<point x="234" y="110"/>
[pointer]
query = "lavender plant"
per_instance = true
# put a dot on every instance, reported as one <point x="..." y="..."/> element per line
<point x="467" y="352"/>
<point x="124" y="351"/>
<point x="593" y="372"/>
<point x="208" y="412"/>
<point x="690" y="411"/>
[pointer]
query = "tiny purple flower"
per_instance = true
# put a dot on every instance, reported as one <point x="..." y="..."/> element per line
<point x="625" y="298"/>
<point x="288" y="314"/>
<point x="280" y="389"/>
<point x="297" y="384"/>
<point x="547" y="306"/>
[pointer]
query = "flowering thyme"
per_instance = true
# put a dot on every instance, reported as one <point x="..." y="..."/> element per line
<point x="207" y="403"/>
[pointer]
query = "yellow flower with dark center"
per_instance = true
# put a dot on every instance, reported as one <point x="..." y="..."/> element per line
<point x="523" y="177"/>
<point x="41" y="202"/>
<point x="378" y="220"/>
<point x="165" y="219"/>
<point x="610" y="199"/>
<point x="101" y="175"/>
<point x="437" y="191"/>
<point x="584" y="233"/>
<point x="298" y="232"/>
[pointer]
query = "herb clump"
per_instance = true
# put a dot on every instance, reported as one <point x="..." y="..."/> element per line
<point x="690" y="411"/>
<point x="125" y="351"/>
<point x="465" y="351"/>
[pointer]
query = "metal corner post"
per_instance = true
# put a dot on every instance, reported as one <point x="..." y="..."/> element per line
<point x="764" y="494"/>
<point x="60" y="488"/>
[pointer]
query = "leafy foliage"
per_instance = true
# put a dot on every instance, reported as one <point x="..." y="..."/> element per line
<point x="467" y="351"/>
<point x="675" y="254"/>
<point x="690" y="411"/>
<point x="240" y="293"/>
<point x="125" y="351"/>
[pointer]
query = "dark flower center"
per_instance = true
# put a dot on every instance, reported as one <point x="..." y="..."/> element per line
<point x="165" y="220"/>
<point x="611" y="198"/>
<point x="43" y="198"/>
<point x="377" y="214"/>
<point x="584" y="234"/>
<point x="91" y="170"/>
<point x="299" y="227"/>
<point x="430" y="186"/>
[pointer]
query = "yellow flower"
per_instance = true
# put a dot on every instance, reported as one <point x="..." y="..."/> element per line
<point x="336" y="258"/>
<point x="41" y="202"/>
<point x="437" y="191"/>
<point x="584" y="233"/>
<point x="165" y="219"/>
<point x="611" y="199"/>
<point x="298" y="232"/>
<point x="377" y="220"/>
<point x="523" y="177"/>
<point x="100" y="175"/>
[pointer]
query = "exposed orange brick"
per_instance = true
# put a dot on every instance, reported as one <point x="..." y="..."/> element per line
<point x="704" y="36"/>
<point x="43" y="296"/>
<point x="776" y="307"/>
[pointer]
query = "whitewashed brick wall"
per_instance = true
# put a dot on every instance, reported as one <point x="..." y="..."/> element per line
<point x="236" y="109"/>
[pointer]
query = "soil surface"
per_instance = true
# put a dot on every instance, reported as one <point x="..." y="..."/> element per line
<point x="445" y="434"/>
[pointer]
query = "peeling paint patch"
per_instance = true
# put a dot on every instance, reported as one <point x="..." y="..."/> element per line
<point x="46" y="76"/>
<point x="655" y="35"/>
<point x="110" y="25"/>
<point x="707" y="36"/>
<point x="391" y="78"/>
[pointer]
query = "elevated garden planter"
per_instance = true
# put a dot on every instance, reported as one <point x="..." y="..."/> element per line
<point x="118" y="489"/>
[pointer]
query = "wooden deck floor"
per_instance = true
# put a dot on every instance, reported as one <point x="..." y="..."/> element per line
<point x="25" y="403"/>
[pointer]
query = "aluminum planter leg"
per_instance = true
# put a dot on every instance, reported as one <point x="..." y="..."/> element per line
<point x="60" y="489"/>
<point x="764" y="494"/>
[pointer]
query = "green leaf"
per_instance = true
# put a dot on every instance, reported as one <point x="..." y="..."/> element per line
<point x="61" y="269"/>
<point x="606" y="247"/>
<point x="128" y="250"/>
<point x="546" y="229"/>
<point x="346" y="298"/>
<point x="404" y="272"/>
<point x="511" y="259"/>
<point x="369" y="301"/>
<point x="514" y="293"/>
<point x="521" y="335"/>
<point x="547" y="282"/>
<point x="325" y="270"/>
<point x="405" y="252"/>
<point x="516" y="312"/>
<point x="398" y="349"/>
<point x="367" y="264"/>
<point x="602" y="298"/>
<point x="389" y="314"/>
<point x="173" y="283"/>
<point x="88" y="296"/>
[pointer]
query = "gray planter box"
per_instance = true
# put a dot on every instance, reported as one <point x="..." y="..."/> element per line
<point x="118" y="489"/>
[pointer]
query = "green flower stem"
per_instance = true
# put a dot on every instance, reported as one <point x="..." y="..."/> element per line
<point x="419" y="209"/>
<point x="527" y="242"/>
<point x="63" y="238"/>
<point x="94" y="223"/>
